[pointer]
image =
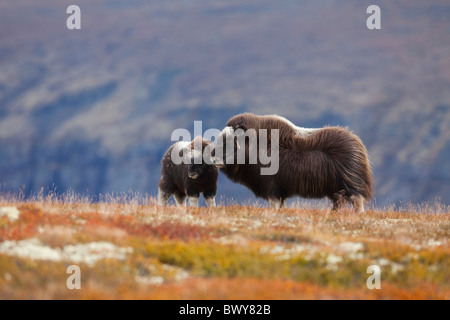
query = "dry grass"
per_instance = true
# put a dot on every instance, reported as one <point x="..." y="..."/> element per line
<point x="235" y="252"/>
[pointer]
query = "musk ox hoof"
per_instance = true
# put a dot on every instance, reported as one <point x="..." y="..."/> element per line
<point x="341" y="198"/>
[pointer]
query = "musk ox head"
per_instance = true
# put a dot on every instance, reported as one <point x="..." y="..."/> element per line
<point x="196" y="155"/>
<point x="196" y="166"/>
<point x="241" y="142"/>
<point x="226" y="148"/>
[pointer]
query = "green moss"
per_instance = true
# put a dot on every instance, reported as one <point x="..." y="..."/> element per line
<point x="216" y="260"/>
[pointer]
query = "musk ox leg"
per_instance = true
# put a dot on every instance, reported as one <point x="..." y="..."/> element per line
<point x="276" y="203"/>
<point x="193" y="201"/>
<point x="210" y="197"/>
<point x="180" y="199"/>
<point x="163" y="197"/>
<point x="210" y="202"/>
<point x="339" y="200"/>
<point x="358" y="203"/>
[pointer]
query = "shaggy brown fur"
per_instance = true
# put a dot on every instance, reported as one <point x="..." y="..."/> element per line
<point x="187" y="179"/>
<point x="328" y="162"/>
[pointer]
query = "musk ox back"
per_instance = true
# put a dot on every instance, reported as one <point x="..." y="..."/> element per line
<point x="313" y="163"/>
<point x="185" y="173"/>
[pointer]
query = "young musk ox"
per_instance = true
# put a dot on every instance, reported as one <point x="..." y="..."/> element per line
<point x="313" y="163"/>
<point x="190" y="177"/>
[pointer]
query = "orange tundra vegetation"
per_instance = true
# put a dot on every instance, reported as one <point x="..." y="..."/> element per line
<point x="130" y="248"/>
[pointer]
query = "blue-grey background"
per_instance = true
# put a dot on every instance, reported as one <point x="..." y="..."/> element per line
<point x="92" y="110"/>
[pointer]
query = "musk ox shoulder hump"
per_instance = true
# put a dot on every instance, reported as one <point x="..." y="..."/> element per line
<point x="299" y="131"/>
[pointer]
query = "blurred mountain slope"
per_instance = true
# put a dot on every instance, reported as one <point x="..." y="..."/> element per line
<point x="93" y="109"/>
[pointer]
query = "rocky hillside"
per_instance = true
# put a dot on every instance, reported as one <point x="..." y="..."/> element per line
<point x="93" y="109"/>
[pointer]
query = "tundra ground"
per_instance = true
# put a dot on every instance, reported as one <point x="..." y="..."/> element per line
<point x="129" y="249"/>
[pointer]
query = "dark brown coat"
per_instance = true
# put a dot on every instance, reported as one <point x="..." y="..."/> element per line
<point x="185" y="179"/>
<point x="327" y="162"/>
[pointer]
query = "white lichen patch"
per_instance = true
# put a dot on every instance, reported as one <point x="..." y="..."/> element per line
<point x="30" y="248"/>
<point x="88" y="253"/>
<point x="351" y="247"/>
<point x="332" y="261"/>
<point x="150" y="281"/>
<point x="434" y="243"/>
<point x="282" y="252"/>
<point x="234" y="239"/>
<point x="160" y="273"/>
<point x="347" y="250"/>
<point x="12" y="213"/>
<point x="395" y="267"/>
<point x="352" y="250"/>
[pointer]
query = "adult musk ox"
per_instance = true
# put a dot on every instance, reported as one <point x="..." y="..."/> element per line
<point x="312" y="163"/>
<point x="185" y="173"/>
